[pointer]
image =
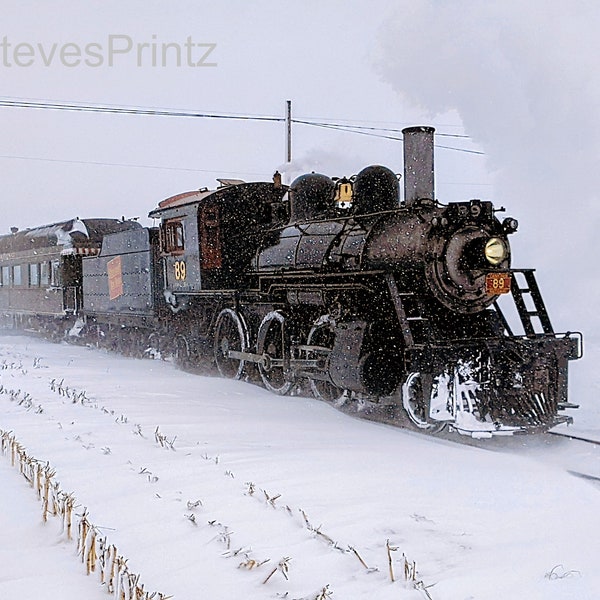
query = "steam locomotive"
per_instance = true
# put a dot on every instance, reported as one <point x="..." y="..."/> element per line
<point x="378" y="305"/>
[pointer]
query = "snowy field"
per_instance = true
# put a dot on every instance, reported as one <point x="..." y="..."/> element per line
<point x="217" y="489"/>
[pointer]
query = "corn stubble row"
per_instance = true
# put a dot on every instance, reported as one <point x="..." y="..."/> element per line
<point x="96" y="553"/>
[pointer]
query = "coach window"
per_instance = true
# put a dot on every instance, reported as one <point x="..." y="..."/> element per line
<point x="17" y="275"/>
<point x="55" y="273"/>
<point x="45" y="273"/>
<point x="34" y="275"/>
<point x="173" y="237"/>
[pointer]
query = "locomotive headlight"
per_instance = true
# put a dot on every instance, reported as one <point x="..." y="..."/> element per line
<point x="495" y="251"/>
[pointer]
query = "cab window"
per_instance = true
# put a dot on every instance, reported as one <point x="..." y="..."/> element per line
<point x="173" y="241"/>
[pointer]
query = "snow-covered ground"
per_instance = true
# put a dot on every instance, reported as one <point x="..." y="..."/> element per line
<point x="197" y="481"/>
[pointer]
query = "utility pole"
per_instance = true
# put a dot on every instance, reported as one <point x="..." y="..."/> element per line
<point x="288" y="121"/>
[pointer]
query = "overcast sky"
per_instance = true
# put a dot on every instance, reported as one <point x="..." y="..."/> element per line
<point x="519" y="78"/>
<point x="523" y="78"/>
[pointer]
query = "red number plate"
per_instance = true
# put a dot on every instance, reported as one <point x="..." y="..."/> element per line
<point x="497" y="283"/>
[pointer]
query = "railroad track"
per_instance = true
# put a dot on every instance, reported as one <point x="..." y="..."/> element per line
<point x="572" y="436"/>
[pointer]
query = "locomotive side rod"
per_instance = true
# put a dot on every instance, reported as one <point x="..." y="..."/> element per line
<point x="267" y="362"/>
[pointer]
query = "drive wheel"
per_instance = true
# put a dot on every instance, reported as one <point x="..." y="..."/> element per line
<point x="231" y="335"/>
<point x="321" y="337"/>
<point x="415" y="406"/>
<point x="274" y="345"/>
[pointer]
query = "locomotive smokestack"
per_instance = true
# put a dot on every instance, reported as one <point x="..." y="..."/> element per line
<point x="418" y="164"/>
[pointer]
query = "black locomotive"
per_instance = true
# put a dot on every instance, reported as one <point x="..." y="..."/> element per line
<point x="383" y="305"/>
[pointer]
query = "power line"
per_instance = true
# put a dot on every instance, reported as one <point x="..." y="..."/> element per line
<point x="379" y="135"/>
<point x="460" y="149"/>
<point x="367" y="128"/>
<point x="134" y="166"/>
<point x="119" y="110"/>
<point x="165" y="112"/>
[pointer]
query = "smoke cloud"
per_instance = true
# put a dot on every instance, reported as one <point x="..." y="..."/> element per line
<point x="525" y="81"/>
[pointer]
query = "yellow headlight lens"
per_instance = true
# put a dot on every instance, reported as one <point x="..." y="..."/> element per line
<point x="495" y="251"/>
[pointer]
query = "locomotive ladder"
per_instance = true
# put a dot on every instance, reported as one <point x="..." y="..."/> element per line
<point x="526" y="315"/>
<point x="410" y="310"/>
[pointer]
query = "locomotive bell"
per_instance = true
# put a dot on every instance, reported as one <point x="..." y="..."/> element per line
<point x="418" y="164"/>
<point x="344" y="194"/>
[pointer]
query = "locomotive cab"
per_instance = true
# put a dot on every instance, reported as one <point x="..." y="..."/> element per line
<point x="208" y="237"/>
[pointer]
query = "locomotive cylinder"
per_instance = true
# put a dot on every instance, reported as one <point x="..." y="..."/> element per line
<point x="418" y="164"/>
